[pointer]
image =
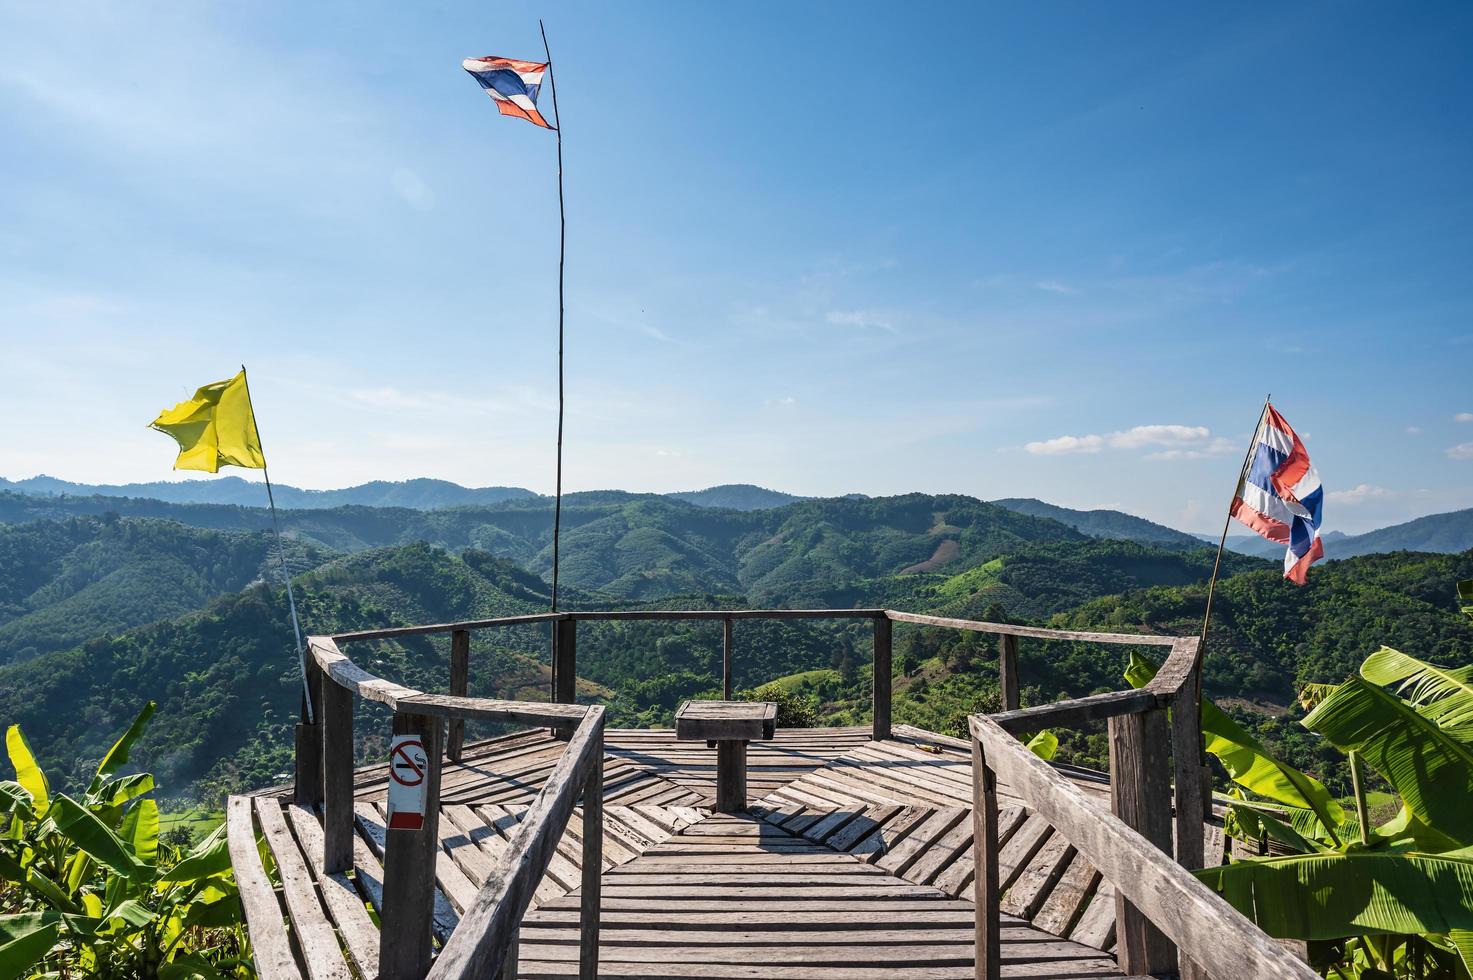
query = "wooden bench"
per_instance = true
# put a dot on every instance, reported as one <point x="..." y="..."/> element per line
<point x="730" y="725"/>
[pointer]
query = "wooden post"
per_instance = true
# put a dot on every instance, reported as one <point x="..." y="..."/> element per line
<point x="1007" y="671"/>
<point x="460" y="679"/>
<point x="409" y="870"/>
<point x="1140" y="795"/>
<point x="308" y="788"/>
<point x="565" y="661"/>
<point x="882" y="680"/>
<point x="985" y="890"/>
<point x="509" y="969"/>
<point x="726" y="659"/>
<point x="593" y="860"/>
<point x="336" y="720"/>
<point x="1193" y="790"/>
<point x="731" y="775"/>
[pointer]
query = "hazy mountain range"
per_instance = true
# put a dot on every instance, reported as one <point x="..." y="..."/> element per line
<point x="1439" y="533"/>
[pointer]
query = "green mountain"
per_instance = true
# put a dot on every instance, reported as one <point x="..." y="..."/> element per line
<point x="736" y="496"/>
<point x="1105" y="523"/>
<point x="63" y="582"/>
<point x="1440" y="533"/>
<point x="422" y="494"/>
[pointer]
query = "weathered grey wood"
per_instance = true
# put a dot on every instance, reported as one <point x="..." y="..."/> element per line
<point x="460" y="679"/>
<point x="473" y="624"/>
<point x="1007" y="671"/>
<point x="1074" y="712"/>
<point x="883" y="682"/>
<point x="479" y="946"/>
<point x="342" y="900"/>
<point x="1192" y="790"/>
<point x="986" y="893"/>
<point x="1199" y="921"/>
<point x="731" y="775"/>
<point x="1140" y="795"/>
<point x="1180" y="668"/>
<point x="313" y="933"/>
<point x="715" y="721"/>
<point x="1005" y="629"/>
<point x="510" y="962"/>
<point x="565" y="661"/>
<point x="308" y="790"/>
<point x="593" y="860"/>
<point x="336" y="722"/>
<point x="270" y="946"/>
<point x="726" y="651"/>
<point x="409" y="870"/>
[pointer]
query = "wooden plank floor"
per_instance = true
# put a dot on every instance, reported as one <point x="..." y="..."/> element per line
<point x="853" y="861"/>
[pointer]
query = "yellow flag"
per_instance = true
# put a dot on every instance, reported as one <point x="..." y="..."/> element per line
<point x="215" y="428"/>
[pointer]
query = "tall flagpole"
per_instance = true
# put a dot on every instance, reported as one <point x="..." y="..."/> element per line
<point x="557" y="126"/>
<point x="1227" y="523"/>
<point x="281" y="558"/>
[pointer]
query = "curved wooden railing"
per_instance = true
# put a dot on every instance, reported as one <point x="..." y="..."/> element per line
<point x="1158" y="785"/>
<point x="484" y="942"/>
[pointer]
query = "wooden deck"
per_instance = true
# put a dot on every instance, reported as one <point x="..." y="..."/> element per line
<point x="855" y="862"/>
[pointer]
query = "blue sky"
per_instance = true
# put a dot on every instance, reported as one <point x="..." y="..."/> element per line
<point x="1013" y="250"/>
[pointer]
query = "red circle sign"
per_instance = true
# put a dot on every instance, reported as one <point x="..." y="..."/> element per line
<point x="401" y="760"/>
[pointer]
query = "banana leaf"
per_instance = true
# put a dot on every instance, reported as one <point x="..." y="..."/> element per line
<point x="1465" y="596"/>
<point x="210" y="856"/>
<point x="1443" y="695"/>
<point x="1358" y="892"/>
<point x="82" y="828"/>
<point x="141" y="830"/>
<point x="117" y="756"/>
<point x="14" y="798"/>
<point x="27" y="773"/>
<point x="1430" y="770"/>
<point x="120" y="789"/>
<point x="22" y="952"/>
<point x="1247" y="761"/>
<point x="1044" y="745"/>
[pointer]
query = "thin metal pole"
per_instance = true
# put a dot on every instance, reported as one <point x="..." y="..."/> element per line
<point x="557" y="125"/>
<point x="281" y="558"/>
<point x="1227" y="522"/>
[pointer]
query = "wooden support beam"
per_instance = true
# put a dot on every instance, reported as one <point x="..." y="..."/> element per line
<point x="1140" y="795"/>
<point x="882" y="680"/>
<point x="1075" y="712"/>
<point x="336" y="722"/>
<point x="308" y="787"/>
<point x="593" y="860"/>
<point x="726" y="658"/>
<point x="1007" y="671"/>
<point x="1192" y="790"/>
<point x="460" y="679"/>
<point x="731" y="775"/>
<point x="986" y="893"/>
<point x="565" y="661"/>
<point x="409" y="870"/>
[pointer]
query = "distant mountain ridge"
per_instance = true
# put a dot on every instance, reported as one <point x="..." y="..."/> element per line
<point x="1112" y="524"/>
<point x="420" y="494"/>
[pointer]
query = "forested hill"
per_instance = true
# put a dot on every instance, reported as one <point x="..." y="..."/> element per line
<point x="420" y="494"/>
<point x="1104" y="523"/>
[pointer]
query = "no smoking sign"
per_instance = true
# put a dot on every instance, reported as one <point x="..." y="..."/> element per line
<point x="408" y="766"/>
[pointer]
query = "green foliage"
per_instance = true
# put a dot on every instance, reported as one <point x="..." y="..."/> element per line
<point x="793" y="710"/>
<point x="88" y="889"/>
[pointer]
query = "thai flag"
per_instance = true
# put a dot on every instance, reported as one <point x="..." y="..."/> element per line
<point x="511" y="84"/>
<point x="1280" y="495"/>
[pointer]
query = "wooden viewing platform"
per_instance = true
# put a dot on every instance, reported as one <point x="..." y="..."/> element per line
<point x="885" y="851"/>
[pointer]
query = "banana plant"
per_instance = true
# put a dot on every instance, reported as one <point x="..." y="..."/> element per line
<point x="89" y="889"/>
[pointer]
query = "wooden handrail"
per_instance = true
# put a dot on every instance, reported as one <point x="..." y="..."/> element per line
<point x="1204" y="927"/>
<point x="1038" y="632"/>
<point x="1096" y="707"/>
<point x="488" y="929"/>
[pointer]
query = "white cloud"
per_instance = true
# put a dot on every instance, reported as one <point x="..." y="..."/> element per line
<point x="1358" y="495"/>
<point x="1055" y="286"/>
<point x="1066" y="444"/>
<point x="1168" y="441"/>
<point x="863" y="319"/>
<point x="1413" y="430"/>
<point x="1463" y="450"/>
<point x="1463" y="417"/>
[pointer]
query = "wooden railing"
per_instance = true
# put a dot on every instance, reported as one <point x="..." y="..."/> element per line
<point x="1160" y="907"/>
<point x="1166" y="920"/>
<point x="484" y="943"/>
